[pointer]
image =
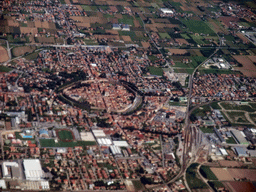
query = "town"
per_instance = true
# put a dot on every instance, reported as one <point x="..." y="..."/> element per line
<point x="155" y="95"/>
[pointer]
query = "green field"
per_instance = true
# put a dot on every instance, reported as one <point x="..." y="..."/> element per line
<point x="138" y="185"/>
<point x="5" y="69"/>
<point x="207" y="173"/>
<point x="155" y="71"/>
<point x="253" y="105"/>
<point x="237" y="117"/>
<point x="65" y="135"/>
<point x="129" y="33"/>
<point x="253" y="117"/>
<point x="51" y="143"/>
<point x="201" y="111"/>
<point x="231" y="140"/>
<point x="193" y="179"/>
<point x="164" y="35"/>
<point x="215" y="105"/>
<point x="198" y="27"/>
<point x="32" y="56"/>
<point x="86" y="7"/>
<point x="233" y="106"/>
<point x="126" y="20"/>
<point x="206" y="130"/>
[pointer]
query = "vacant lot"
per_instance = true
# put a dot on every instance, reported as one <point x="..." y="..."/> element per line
<point x="237" y="117"/>
<point x="230" y="174"/>
<point x="248" y="69"/>
<point x="3" y="54"/>
<point x="18" y="51"/>
<point x="177" y="51"/>
<point x="225" y="163"/>
<point x="233" y="106"/>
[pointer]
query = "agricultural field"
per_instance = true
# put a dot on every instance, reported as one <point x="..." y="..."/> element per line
<point x="230" y="173"/>
<point x="248" y="67"/>
<point x="155" y="71"/>
<point x="3" y="55"/>
<point x="238" y="186"/>
<point x="207" y="173"/>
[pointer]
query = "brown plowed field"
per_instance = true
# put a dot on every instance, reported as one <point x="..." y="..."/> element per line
<point x="238" y="186"/>
<point x="3" y="55"/>
<point x="224" y="174"/>
<point x="248" y="69"/>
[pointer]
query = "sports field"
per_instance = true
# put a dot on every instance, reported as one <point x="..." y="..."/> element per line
<point x="65" y="135"/>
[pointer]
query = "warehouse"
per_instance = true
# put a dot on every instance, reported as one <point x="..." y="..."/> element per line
<point x="32" y="169"/>
<point x="240" y="138"/>
<point x="120" y="143"/>
<point x="241" y="152"/>
<point x="98" y="133"/>
<point x="166" y="11"/>
<point x="11" y="170"/>
<point x="115" y="150"/>
<point x="104" y="141"/>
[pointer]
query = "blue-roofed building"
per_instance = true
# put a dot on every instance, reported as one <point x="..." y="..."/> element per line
<point x="125" y="27"/>
<point x="43" y="133"/>
<point x="241" y="152"/>
<point x="116" y="27"/>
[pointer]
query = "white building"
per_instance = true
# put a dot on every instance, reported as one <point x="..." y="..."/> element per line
<point x="32" y="169"/>
<point x="166" y="11"/>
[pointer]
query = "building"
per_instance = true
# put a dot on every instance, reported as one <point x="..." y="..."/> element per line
<point x="32" y="169"/>
<point x="120" y="143"/>
<point x="219" y="135"/>
<point x="98" y="133"/>
<point x="11" y="170"/>
<point x="240" y="138"/>
<point x="116" y="151"/>
<point x="223" y="151"/>
<point x="125" y="27"/>
<point x="43" y="133"/>
<point x="241" y="152"/>
<point x="166" y="11"/>
<point x="116" y="27"/>
<point x="2" y="184"/>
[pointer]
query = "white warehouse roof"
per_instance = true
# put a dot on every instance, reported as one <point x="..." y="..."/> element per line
<point x="104" y="141"/>
<point x="120" y="143"/>
<point x="166" y="11"/>
<point x="115" y="150"/>
<point x="33" y="169"/>
<point x="98" y="133"/>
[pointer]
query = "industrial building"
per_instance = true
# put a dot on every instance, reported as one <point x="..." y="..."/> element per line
<point x="32" y="169"/>
<point x="120" y="143"/>
<point x="241" y="152"/>
<point x="11" y="170"/>
<point x="166" y="11"/>
<point x="104" y="141"/>
<point x="98" y="133"/>
<point x="115" y="150"/>
<point x="219" y="135"/>
<point x="223" y="151"/>
<point x="239" y="137"/>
